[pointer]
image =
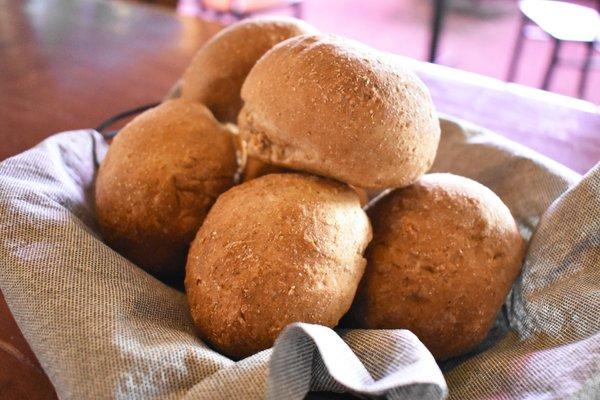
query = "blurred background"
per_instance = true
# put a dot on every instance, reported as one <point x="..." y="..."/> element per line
<point x="541" y="43"/>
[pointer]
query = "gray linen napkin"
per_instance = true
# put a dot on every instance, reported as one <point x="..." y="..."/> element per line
<point x="103" y="328"/>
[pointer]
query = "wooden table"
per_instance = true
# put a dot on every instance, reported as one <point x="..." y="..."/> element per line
<point x="70" y="64"/>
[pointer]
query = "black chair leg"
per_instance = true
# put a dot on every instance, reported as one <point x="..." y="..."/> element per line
<point x="297" y="10"/>
<point x="238" y="16"/>
<point x="585" y="69"/>
<point x="552" y="65"/>
<point x="514" y="61"/>
<point x="436" y="29"/>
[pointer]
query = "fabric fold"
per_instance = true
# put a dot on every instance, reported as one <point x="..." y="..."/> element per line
<point x="402" y="362"/>
<point x="103" y="328"/>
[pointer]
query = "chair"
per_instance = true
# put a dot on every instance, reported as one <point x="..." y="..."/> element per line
<point x="240" y="9"/>
<point x="562" y="22"/>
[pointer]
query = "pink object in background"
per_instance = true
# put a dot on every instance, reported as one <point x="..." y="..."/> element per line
<point x="222" y="5"/>
<point x="238" y="7"/>
<point x="189" y="7"/>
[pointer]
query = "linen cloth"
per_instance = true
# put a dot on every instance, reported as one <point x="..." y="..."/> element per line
<point x="103" y="328"/>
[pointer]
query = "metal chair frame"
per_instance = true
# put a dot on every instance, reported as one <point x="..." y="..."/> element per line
<point x="554" y="58"/>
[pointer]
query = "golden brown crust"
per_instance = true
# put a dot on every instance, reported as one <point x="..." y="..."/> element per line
<point x="159" y="178"/>
<point x="250" y="167"/>
<point x="255" y="169"/>
<point x="363" y="196"/>
<point x="333" y="107"/>
<point x="216" y="73"/>
<point x="275" y="250"/>
<point x="444" y="255"/>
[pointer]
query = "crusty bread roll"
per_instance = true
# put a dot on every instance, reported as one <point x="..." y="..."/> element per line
<point x="219" y="68"/>
<point x="334" y="107"/>
<point x="255" y="169"/>
<point x="162" y="173"/>
<point x="251" y="168"/>
<point x="444" y="255"/>
<point x="275" y="250"/>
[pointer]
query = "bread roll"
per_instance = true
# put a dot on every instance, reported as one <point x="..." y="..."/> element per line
<point x="253" y="168"/>
<point x="444" y="255"/>
<point x="333" y="107"/>
<point x="219" y="68"/>
<point x="162" y="173"/>
<point x="275" y="250"/>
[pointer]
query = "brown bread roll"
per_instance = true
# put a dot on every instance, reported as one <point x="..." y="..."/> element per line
<point x="252" y="168"/>
<point x="444" y="255"/>
<point x="334" y="107"/>
<point x="216" y="73"/>
<point x="160" y="176"/>
<point x="278" y="249"/>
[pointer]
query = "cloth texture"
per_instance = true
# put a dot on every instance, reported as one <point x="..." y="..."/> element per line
<point x="103" y="328"/>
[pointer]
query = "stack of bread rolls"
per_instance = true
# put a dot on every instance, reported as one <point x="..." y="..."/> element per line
<point x="252" y="185"/>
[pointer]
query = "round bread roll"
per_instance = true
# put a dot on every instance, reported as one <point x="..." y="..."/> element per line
<point x="444" y="255"/>
<point x="219" y="68"/>
<point x="278" y="249"/>
<point x="334" y="107"/>
<point x="253" y="168"/>
<point x="160" y="176"/>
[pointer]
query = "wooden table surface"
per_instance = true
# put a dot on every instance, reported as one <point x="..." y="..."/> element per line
<point x="71" y="64"/>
